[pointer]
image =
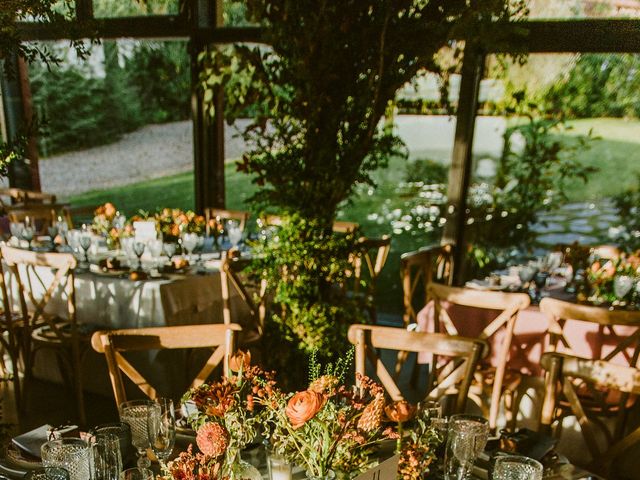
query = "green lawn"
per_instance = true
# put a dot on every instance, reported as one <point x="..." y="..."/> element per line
<point x="617" y="155"/>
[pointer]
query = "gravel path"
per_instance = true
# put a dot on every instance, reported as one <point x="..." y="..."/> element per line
<point x="157" y="151"/>
<point x="153" y="151"/>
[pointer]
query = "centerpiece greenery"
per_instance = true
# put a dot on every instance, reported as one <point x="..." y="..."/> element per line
<point x="320" y="99"/>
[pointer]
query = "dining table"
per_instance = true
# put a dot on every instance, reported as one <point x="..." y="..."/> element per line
<point x="108" y="300"/>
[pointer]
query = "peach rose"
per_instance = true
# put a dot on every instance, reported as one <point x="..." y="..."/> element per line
<point x="303" y="406"/>
<point x="240" y="360"/>
<point x="400" y="411"/>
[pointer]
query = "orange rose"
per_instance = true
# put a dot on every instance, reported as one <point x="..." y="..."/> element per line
<point x="240" y="360"/>
<point x="109" y="210"/>
<point x="303" y="406"/>
<point x="400" y="411"/>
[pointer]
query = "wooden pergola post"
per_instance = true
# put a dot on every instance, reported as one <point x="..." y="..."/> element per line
<point x="208" y="132"/>
<point x="462" y="159"/>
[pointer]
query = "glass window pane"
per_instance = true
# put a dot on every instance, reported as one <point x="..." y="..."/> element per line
<point x="134" y="8"/>
<point x="577" y="119"/>
<point x="407" y="200"/>
<point x="117" y="127"/>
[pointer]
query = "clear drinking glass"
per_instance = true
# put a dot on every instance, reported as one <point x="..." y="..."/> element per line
<point x="123" y="432"/>
<point x="135" y="413"/>
<point x="85" y="244"/>
<point x="72" y="454"/>
<point x="466" y="439"/>
<point x="28" y="233"/>
<point x="190" y="242"/>
<point x="517" y="467"/>
<point x="107" y="460"/>
<point x="169" y="249"/>
<point x="622" y="285"/>
<point x="47" y="473"/>
<point x="161" y="427"/>
<point x="16" y="229"/>
<point x="138" y="249"/>
<point x="279" y="468"/>
<point x="234" y="233"/>
<point x="136" y="473"/>
<point x="155" y="249"/>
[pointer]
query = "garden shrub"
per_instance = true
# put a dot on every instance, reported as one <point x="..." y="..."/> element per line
<point x="427" y="171"/>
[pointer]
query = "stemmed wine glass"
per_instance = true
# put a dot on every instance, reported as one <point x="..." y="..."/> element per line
<point x="85" y="244"/>
<point x="155" y="249"/>
<point x="169" y="249"/>
<point x="136" y="414"/>
<point x="189" y="242"/>
<point x="28" y="233"/>
<point x="467" y="437"/>
<point x="540" y="279"/>
<point x="161" y="428"/>
<point x="138" y="249"/>
<point x="234" y="233"/>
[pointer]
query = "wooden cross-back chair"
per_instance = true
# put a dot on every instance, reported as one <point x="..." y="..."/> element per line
<point x="14" y="333"/>
<point x="42" y="216"/>
<point x="566" y="380"/>
<point x="40" y="277"/>
<point x="445" y="379"/>
<point x="113" y="343"/>
<point x="366" y="265"/>
<point x="508" y="305"/>
<point x="253" y="327"/>
<point x="558" y="312"/>
<point x="624" y="346"/>
<point x="241" y="216"/>
<point x="76" y="216"/>
<point x="417" y="270"/>
<point x="19" y="196"/>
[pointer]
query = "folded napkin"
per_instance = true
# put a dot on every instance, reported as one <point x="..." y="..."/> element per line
<point x="31" y="441"/>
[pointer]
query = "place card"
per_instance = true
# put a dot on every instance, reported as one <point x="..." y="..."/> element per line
<point x="387" y="470"/>
<point x="145" y="230"/>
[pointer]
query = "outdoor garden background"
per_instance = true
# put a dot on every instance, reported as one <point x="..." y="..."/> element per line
<point x="116" y="128"/>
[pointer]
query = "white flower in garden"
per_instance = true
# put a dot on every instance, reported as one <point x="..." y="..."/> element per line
<point x="372" y="217"/>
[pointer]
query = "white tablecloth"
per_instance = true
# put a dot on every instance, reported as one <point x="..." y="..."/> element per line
<point x="110" y="302"/>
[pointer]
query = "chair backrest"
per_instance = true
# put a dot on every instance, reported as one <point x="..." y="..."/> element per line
<point x="37" y="286"/>
<point x="373" y="253"/>
<point x="42" y="216"/>
<point x="343" y="226"/>
<point x="12" y="196"/>
<point x="230" y="279"/>
<point x="417" y="270"/>
<point x="32" y="197"/>
<point x="507" y="304"/>
<point x="113" y="343"/>
<point x="578" y="381"/>
<point x="627" y="345"/>
<point x="241" y="216"/>
<point x="76" y="216"/>
<point x="444" y="378"/>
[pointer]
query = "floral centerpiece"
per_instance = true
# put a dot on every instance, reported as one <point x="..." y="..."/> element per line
<point x="327" y="428"/>
<point x="227" y="417"/>
<point x="331" y="428"/>
<point x="611" y="281"/>
<point x="172" y="222"/>
<point x="108" y="222"/>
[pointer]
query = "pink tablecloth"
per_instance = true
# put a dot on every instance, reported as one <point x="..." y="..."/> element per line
<point x="530" y="338"/>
